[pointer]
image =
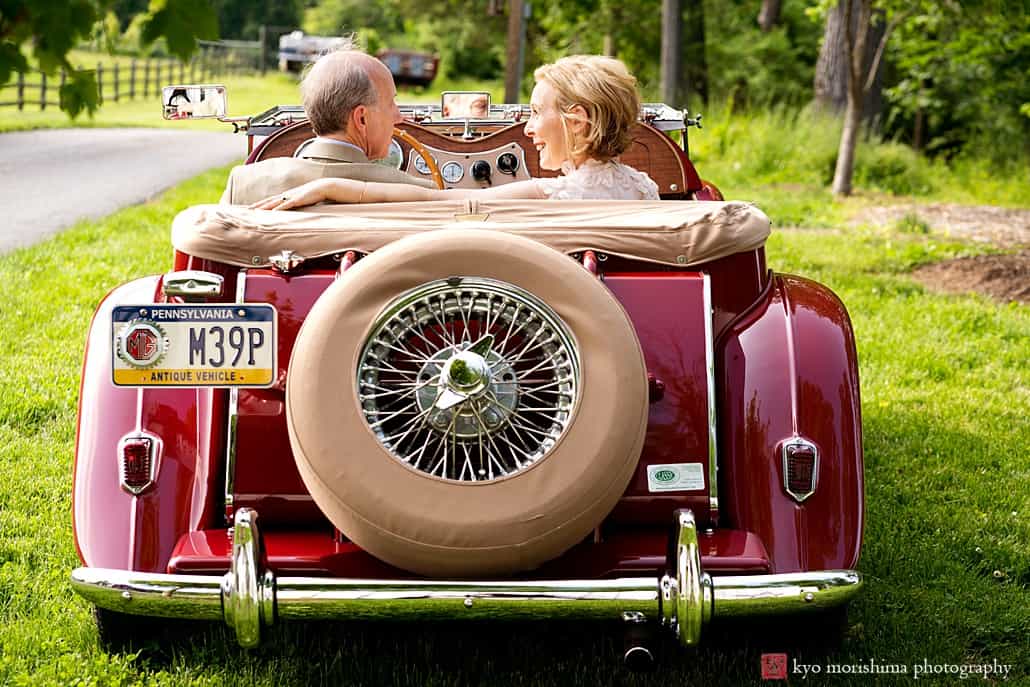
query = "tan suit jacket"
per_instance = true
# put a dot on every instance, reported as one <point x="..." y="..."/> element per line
<point x="320" y="159"/>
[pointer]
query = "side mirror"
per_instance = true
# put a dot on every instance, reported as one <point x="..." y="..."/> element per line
<point x="465" y="105"/>
<point x="193" y="101"/>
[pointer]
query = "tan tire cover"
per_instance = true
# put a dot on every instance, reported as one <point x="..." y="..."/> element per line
<point x="444" y="528"/>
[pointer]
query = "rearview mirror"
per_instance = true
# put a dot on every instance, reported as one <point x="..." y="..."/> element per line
<point x="465" y="105"/>
<point x="193" y="101"/>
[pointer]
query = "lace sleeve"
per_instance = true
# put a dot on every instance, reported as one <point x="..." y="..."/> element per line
<point x="555" y="188"/>
<point x="595" y="180"/>
<point x="644" y="185"/>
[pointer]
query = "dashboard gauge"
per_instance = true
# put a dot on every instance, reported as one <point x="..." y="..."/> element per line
<point x="420" y="163"/>
<point x="394" y="157"/>
<point x="452" y="172"/>
<point x="508" y="163"/>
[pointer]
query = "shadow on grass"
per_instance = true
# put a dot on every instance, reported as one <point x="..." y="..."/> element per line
<point x="483" y="652"/>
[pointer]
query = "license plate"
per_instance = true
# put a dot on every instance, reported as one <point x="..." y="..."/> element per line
<point x="194" y="345"/>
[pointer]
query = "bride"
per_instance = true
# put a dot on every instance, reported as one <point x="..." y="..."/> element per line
<point x="582" y="110"/>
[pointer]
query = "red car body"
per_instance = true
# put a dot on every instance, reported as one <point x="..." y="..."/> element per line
<point x="778" y="365"/>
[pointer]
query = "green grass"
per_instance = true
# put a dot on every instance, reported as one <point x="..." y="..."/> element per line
<point x="783" y="159"/>
<point x="946" y="396"/>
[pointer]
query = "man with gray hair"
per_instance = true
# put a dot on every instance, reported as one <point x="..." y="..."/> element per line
<point x="350" y="100"/>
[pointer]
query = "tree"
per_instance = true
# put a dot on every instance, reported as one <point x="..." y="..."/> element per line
<point x="695" y="60"/>
<point x="852" y="20"/>
<point x="51" y="28"/>
<point x="832" y="68"/>
<point x="684" y="64"/>
<point x="515" y="52"/>
<point x="335" y="17"/>
<point x="769" y="15"/>
<point x="673" y="90"/>
<point x="242" y="19"/>
<point x="626" y="29"/>
<point x="961" y="80"/>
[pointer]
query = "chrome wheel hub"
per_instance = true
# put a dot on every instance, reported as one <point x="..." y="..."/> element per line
<point x="468" y="379"/>
<point x="473" y="394"/>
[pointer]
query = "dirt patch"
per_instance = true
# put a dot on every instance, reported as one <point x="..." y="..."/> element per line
<point x="1003" y="227"/>
<point x="1002" y="277"/>
<point x="1005" y="278"/>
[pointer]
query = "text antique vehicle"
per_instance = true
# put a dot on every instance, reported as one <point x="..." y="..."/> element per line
<point x="536" y="408"/>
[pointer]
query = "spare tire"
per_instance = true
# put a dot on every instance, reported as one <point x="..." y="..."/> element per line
<point x="466" y="402"/>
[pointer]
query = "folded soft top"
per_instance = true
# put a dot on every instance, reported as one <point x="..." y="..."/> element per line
<point x="668" y="232"/>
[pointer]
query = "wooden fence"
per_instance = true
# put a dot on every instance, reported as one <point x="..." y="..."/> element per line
<point x="138" y="79"/>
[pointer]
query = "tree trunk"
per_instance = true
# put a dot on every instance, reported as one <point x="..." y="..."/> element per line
<point x="684" y="69"/>
<point x="831" y="71"/>
<point x="611" y="16"/>
<point x="513" y="66"/>
<point x="845" y="168"/>
<point x="769" y="16"/>
<point x="671" y="64"/>
<point x="695" y="64"/>
<point x="872" y="99"/>
<point x="855" y="37"/>
<point x="917" y="133"/>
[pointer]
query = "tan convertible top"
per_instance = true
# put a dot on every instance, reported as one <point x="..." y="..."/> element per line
<point x="668" y="232"/>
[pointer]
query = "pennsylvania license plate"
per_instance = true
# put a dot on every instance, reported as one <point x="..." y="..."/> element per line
<point x="194" y="345"/>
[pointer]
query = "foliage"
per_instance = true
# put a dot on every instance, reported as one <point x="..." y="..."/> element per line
<point x="469" y="40"/>
<point x="756" y="69"/>
<point x="180" y="22"/>
<point x="51" y="28"/>
<point x="967" y="73"/>
<point x="634" y="28"/>
<point x="341" y="17"/>
<point x="242" y="19"/>
<point x="785" y="155"/>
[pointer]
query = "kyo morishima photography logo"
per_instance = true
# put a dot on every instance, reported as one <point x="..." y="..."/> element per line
<point x="780" y="667"/>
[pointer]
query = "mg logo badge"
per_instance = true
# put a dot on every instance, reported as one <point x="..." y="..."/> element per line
<point x="142" y="343"/>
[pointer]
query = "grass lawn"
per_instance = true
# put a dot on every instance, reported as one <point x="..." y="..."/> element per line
<point x="946" y="397"/>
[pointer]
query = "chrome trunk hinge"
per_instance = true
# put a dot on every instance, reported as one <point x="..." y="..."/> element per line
<point x="286" y="261"/>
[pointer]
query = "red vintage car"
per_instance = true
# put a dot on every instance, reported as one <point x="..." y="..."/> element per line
<point x="479" y="409"/>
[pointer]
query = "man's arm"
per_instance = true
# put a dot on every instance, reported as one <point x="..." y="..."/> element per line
<point x="352" y="191"/>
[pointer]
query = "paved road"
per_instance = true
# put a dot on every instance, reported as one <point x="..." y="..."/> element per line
<point x="53" y="178"/>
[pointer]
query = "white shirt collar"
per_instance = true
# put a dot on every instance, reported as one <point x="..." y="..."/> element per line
<point x="336" y="141"/>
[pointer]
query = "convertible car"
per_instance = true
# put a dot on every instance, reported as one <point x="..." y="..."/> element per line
<point x="471" y="409"/>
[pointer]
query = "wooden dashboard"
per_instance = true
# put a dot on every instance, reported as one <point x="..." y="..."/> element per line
<point x="651" y="152"/>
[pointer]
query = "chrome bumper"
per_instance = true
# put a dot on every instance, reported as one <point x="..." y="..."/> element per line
<point x="249" y="598"/>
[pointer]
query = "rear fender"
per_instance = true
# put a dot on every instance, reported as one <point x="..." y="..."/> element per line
<point x="788" y="368"/>
<point x="114" y="528"/>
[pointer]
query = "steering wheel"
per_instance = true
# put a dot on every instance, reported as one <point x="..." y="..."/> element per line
<point x="434" y="169"/>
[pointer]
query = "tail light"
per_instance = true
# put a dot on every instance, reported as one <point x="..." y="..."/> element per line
<point x="800" y="468"/>
<point x="137" y="458"/>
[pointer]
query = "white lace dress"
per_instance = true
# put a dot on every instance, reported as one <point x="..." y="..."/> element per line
<point x="596" y="180"/>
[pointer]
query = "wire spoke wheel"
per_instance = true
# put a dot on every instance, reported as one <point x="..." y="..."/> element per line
<point x="459" y="425"/>
<point x="468" y="379"/>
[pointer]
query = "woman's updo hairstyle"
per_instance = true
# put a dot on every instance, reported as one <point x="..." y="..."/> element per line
<point x="606" y="90"/>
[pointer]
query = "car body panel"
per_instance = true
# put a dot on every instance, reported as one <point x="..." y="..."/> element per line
<point x="112" y="526"/>
<point x="788" y="368"/>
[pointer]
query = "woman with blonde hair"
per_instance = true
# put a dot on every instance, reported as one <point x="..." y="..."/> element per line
<point x="582" y="111"/>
